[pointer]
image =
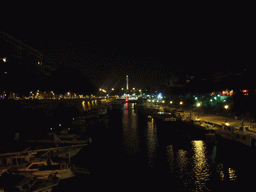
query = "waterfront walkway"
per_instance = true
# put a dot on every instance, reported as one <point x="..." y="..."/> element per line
<point x="216" y="119"/>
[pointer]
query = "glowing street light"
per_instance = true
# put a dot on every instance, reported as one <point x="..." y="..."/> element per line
<point x="112" y="89"/>
<point x="100" y="89"/>
<point x="122" y="88"/>
<point x="226" y="107"/>
<point x="198" y="105"/>
<point x="181" y="103"/>
<point x="163" y="101"/>
<point x="170" y="102"/>
<point x="133" y="88"/>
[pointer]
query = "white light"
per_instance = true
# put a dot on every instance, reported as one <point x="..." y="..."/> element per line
<point x="195" y="97"/>
<point x="59" y="124"/>
<point x="5" y="72"/>
<point x="50" y="128"/>
<point x="4" y="59"/>
<point x="215" y="98"/>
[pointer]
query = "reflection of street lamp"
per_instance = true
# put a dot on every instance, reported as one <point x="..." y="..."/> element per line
<point x="226" y="107"/>
<point x="198" y="105"/>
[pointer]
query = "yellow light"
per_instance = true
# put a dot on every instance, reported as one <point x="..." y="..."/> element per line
<point x="153" y="100"/>
<point x="140" y="90"/>
<point x="157" y="101"/>
<point x="133" y="88"/>
<point x="227" y="124"/>
<point x="171" y="102"/>
<point x="162" y="101"/>
<point x="100" y="89"/>
<point x="4" y="59"/>
<point x="226" y="106"/>
<point x="112" y="89"/>
<point x="122" y="88"/>
<point x="198" y="104"/>
<point x="149" y="100"/>
<point x="181" y="102"/>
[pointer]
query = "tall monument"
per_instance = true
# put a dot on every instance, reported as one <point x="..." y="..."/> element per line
<point x="127" y="87"/>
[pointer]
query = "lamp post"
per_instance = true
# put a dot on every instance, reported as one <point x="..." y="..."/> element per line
<point x="198" y="105"/>
<point x="226" y="107"/>
<point x="181" y="103"/>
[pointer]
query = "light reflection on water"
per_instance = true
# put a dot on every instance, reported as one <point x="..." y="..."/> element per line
<point x="130" y="130"/>
<point x="200" y="168"/>
<point x="151" y="141"/>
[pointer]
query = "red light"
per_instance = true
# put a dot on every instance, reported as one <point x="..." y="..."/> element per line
<point x="126" y="100"/>
<point x="244" y="91"/>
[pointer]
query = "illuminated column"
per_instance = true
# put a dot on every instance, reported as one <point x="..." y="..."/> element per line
<point x="127" y="87"/>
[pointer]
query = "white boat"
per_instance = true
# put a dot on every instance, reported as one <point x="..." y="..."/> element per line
<point x="239" y="134"/>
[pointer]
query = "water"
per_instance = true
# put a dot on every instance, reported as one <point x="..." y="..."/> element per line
<point x="129" y="152"/>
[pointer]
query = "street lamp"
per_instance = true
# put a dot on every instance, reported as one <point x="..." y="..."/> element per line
<point x="170" y="102"/>
<point x="133" y="88"/>
<point x="198" y="105"/>
<point x="226" y="107"/>
<point x="112" y="89"/>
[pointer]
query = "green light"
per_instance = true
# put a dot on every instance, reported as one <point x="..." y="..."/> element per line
<point x="211" y="100"/>
<point x="143" y="94"/>
<point x="215" y="98"/>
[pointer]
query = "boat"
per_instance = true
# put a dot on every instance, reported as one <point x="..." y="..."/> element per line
<point x="53" y="137"/>
<point x="165" y="116"/>
<point x="42" y="169"/>
<point x="16" y="182"/>
<point x="15" y="159"/>
<point x="27" y="182"/>
<point x="240" y="134"/>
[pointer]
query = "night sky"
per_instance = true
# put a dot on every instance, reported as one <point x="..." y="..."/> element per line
<point x="150" y="45"/>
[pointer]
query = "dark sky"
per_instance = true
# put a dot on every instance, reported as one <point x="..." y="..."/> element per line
<point x="147" y="43"/>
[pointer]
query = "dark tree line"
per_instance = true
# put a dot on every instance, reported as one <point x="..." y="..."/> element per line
<point x="19" y="78"/>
